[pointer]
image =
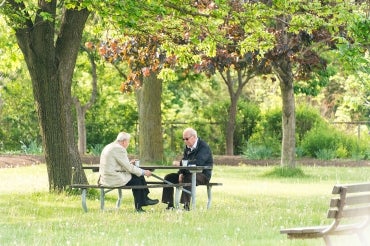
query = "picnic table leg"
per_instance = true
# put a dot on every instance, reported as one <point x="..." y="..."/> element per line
<point x="327" y="240"/>
<point x="83" y="199"/>
<point x="209" y="194"/>
<point x="177" y="196"/>
<point x="118" y="203"/>
<point x="102" y="195"/>
<point x="193" y="189"/>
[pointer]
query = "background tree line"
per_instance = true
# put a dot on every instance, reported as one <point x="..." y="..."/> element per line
<point x="258" y="125"/>
<point x="160" y="41"/>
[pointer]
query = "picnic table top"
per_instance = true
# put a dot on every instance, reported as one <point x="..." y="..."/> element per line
<point x="95" y="168"/>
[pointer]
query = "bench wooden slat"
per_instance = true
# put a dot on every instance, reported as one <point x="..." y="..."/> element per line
<point x="350" y="212"/>
<point x="351" y="188"/>
<point x="351" y="200"/>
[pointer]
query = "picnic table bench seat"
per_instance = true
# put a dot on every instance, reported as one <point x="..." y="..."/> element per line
<point x="150" y="184"/>
<point x="350" y="211"/>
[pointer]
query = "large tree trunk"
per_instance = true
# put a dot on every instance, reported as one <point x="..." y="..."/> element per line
<point x="283" y="70"/>
<point x="150" y="119"/>
<point x="51" y="66"/>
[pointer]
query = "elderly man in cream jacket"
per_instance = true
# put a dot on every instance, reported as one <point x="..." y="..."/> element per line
<point x="117" y="170"/>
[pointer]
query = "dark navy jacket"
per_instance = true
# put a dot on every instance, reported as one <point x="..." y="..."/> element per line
<point x="200" y="156"/>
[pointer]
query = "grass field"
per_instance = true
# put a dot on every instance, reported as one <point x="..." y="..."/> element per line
<point x="249" y="209"/>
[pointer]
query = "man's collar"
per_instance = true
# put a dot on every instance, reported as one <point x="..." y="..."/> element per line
<point x="195" y="144"/>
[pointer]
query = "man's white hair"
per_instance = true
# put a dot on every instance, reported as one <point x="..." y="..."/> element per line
<point x="191" y="131"/>
<point x="123" y="136"/>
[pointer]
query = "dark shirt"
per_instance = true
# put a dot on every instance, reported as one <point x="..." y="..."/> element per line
<point x="200" y="156"/>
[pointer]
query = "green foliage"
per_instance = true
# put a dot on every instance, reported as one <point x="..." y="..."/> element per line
<point x="32" y="148"/>
<point x="107" y="118"/>
<point x="262" y="146"/>
<point x="315" y="84"/>
<point x="247" y="120"/>
<point x="18" y="118"/>
<point x="327" y="142"/>
<point x="260" y="152"/>
<point x="96" y="149"/>
<point x="326" y="154"/>
<point x="271" y="124"/>
<point x="306" y="118"/>
<point x="319" y="138"/>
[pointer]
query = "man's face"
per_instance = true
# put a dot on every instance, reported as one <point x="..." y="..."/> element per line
<point x="188" y="139"/>
<point x="125" y="143"/>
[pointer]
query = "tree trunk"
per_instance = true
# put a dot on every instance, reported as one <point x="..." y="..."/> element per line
<point x="150" y="119"/>
<point x="283" y="70"/>
<point x="82" y="109"/>
<point x="230" y="127"/>
<point x="51" y="66"/>
<point x="235" y="88"/>
<point x="81" y="127"/>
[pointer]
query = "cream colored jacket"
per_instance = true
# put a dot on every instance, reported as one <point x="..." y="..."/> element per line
<point x="115" y="168"/>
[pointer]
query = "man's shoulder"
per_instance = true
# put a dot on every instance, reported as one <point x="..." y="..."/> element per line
<point x="202" y="142"/>
<point x="112" y="147"/>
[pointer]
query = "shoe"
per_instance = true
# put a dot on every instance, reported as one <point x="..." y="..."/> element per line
<point x="186" y="207"/>
<point x="151" y="202"/>
<point x="170" y="207"/>
<point x="140" y="210"/>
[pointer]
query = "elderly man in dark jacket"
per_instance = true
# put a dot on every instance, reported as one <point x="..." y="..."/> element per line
<point x="198" y="153"/>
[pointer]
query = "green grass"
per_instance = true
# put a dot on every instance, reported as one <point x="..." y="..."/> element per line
<point x="249" y="209"/>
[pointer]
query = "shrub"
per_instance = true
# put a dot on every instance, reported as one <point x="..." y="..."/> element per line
<point x="32" y="148"/>
<point x="262" y="147"/>
<point x="247" y="118"/>
<point x="326" y="154"/>
<point x="306" y="119"/>
<point x="326" y="142"/>
<point x="258" y="152"/>
<point x="318" y="139"/>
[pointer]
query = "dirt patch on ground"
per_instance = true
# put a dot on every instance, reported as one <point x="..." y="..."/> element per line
<point x="11" y="161"/>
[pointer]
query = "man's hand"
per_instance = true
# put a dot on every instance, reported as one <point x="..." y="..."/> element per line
<point x="147" y="173"/>
<point x="181" y="177"/>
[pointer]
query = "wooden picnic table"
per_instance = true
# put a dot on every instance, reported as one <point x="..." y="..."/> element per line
<point x="192" y="169"/>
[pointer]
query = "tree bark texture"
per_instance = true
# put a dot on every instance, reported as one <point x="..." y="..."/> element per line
<point x="51" y="64"/>
<point x="283" y="70"/>
<point x="150" y="119"/>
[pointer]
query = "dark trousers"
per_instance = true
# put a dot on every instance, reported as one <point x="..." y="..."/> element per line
<point x="167" y="195"/>
<point x="140" y="195"/>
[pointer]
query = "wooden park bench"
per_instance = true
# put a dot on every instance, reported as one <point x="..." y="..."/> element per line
<point x="350" y="211"/>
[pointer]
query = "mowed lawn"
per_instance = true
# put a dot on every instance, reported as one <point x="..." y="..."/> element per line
<point x="249" y="209"/>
